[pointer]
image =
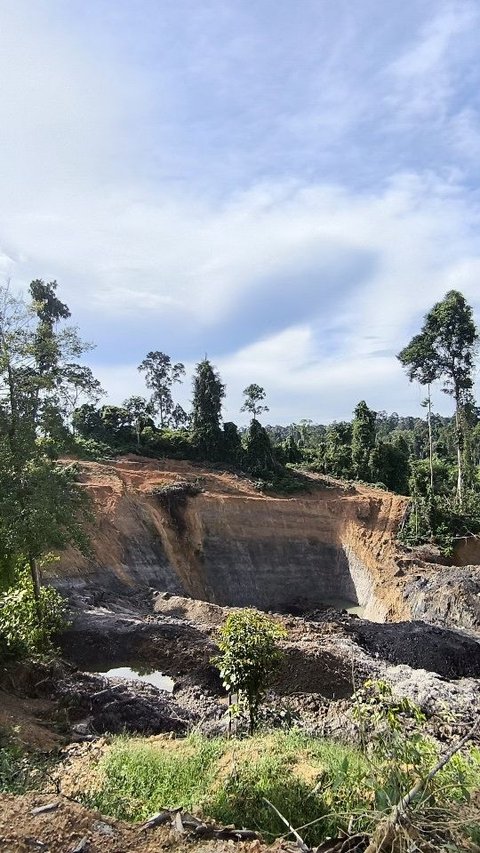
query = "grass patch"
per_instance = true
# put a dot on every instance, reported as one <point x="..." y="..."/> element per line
<point x="227" y="780"/>
<point x="19" y="771"/>
<point x="317" y="784"/>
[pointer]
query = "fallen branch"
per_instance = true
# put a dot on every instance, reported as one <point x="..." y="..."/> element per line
<point x="184" y="822"/>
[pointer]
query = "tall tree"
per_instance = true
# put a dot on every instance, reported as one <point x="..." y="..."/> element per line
<point x="338" y="449"/>
<point x="208" y="393"/>
<point x="254" y="396"/>
<point x="40" y="509"/>
<point x="160" y="376"/>
<point x="140" y="412"/>
<point x="445" y="350"/>
<point x="363" y="440"/>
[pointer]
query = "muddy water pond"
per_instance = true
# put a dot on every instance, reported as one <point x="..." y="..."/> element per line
<point x="156" y="678"/>
<point x="344" y="604"/>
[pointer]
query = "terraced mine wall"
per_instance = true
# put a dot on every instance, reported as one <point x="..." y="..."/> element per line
<point x="232" y="546"/>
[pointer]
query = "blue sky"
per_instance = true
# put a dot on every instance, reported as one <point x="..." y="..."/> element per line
<point x="285" y="186"/>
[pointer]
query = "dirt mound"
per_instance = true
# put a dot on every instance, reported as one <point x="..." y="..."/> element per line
<point x="67" y="827"/>
<point x="421" y="646"/>
<point x="451" y="597"/>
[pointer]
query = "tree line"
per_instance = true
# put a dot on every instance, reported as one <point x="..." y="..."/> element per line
<point x="50" y="406"/>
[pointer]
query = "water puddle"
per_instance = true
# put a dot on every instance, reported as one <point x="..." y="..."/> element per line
<point x="158" y="679"/>
<point x="343" y="604"/>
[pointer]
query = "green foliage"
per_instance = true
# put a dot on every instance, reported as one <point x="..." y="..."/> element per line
<point x="21" y="771"/>
<point x="445" y="350"/>
<point x="363" y="440"/>
<point x="291" y="450"/>
<point x="320" y="786"/>
<point x="282" y="481"/>
<point x="394" y="738"/>
<point x="337" y="451"/>
<point x="249" y="654"/>
<point x="90" y="448"/>
<point x="22" y="633"/>
<point x="176" y="444"/>
<point x="389" y="463"/>
<point x="208" y="393"/>
<point x="232" y="443"/>
<point x="228" y="781"/>
<point x="254" y="396"/>
<point x="11" y="766"/>
<point x="41" y="505"/>
<point x="160" y="376"/>
<point x="140" y="412"/>
<point x="433" y="516"/>
<point x="259" y="454"/>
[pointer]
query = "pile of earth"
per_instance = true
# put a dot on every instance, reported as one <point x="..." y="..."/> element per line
<point x="57" y="824"/>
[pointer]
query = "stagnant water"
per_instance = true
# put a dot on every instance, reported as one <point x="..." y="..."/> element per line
<point x="157" y="678"/>
<point x="343" y="604"/>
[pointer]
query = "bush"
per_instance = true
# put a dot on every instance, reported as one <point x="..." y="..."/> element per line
<point x="174" y="443"/>
<point x="90" y="448"/>
<point x="22" y="633"/>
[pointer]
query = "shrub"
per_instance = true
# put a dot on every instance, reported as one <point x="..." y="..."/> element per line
<point x="248" y="656"/>
<point x="23" y="632"/>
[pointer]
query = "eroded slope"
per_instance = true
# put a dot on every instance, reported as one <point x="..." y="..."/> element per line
<point x="233" y="546"/>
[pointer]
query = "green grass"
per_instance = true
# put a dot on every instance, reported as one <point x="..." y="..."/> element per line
<point x="316" y="784"/>
<point x="19" y="771"/>
<point x="227" y="781"/>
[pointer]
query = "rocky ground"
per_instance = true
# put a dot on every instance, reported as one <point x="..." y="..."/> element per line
<point x="327" y="655"/>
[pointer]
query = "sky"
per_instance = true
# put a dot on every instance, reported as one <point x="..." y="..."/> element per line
<point x="285" y="186"/>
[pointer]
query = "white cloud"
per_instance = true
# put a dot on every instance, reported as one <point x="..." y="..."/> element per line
<point x="424" y="76"/>
<point x="126" y="244"/>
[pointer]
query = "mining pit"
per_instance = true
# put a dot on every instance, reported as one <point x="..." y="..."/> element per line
<point x="175" y="546"/>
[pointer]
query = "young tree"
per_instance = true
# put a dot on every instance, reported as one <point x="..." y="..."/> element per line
<point x="249" y="655"/>
<point x="445" y="349"/>
<point x="232" y="443"/>
<point x="291" y="450"/>
<point x="179" y="418"/>
<point x="208" y="393"/>
<point x="160" y="376"/>
<point x="254" y="395"/>
<point x="363" y="440"/>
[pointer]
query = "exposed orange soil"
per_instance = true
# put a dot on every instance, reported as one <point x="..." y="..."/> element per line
<point x="363" y="518"/>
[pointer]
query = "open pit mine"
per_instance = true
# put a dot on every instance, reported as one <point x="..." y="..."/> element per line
<point x="175" y="545"/>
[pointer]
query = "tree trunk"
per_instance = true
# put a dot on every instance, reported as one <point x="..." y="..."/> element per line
<point x="36" y="584"/>
<point x="430" y="441"/>
<point x="458" y="427"/>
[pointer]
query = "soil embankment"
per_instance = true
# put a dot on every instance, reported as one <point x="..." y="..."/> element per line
<point x="234" y="546"/>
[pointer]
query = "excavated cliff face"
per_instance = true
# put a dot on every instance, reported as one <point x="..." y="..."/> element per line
<point x="231" y="545"/>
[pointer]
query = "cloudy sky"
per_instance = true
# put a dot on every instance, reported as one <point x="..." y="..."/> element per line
<point x="284" y="185"/>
